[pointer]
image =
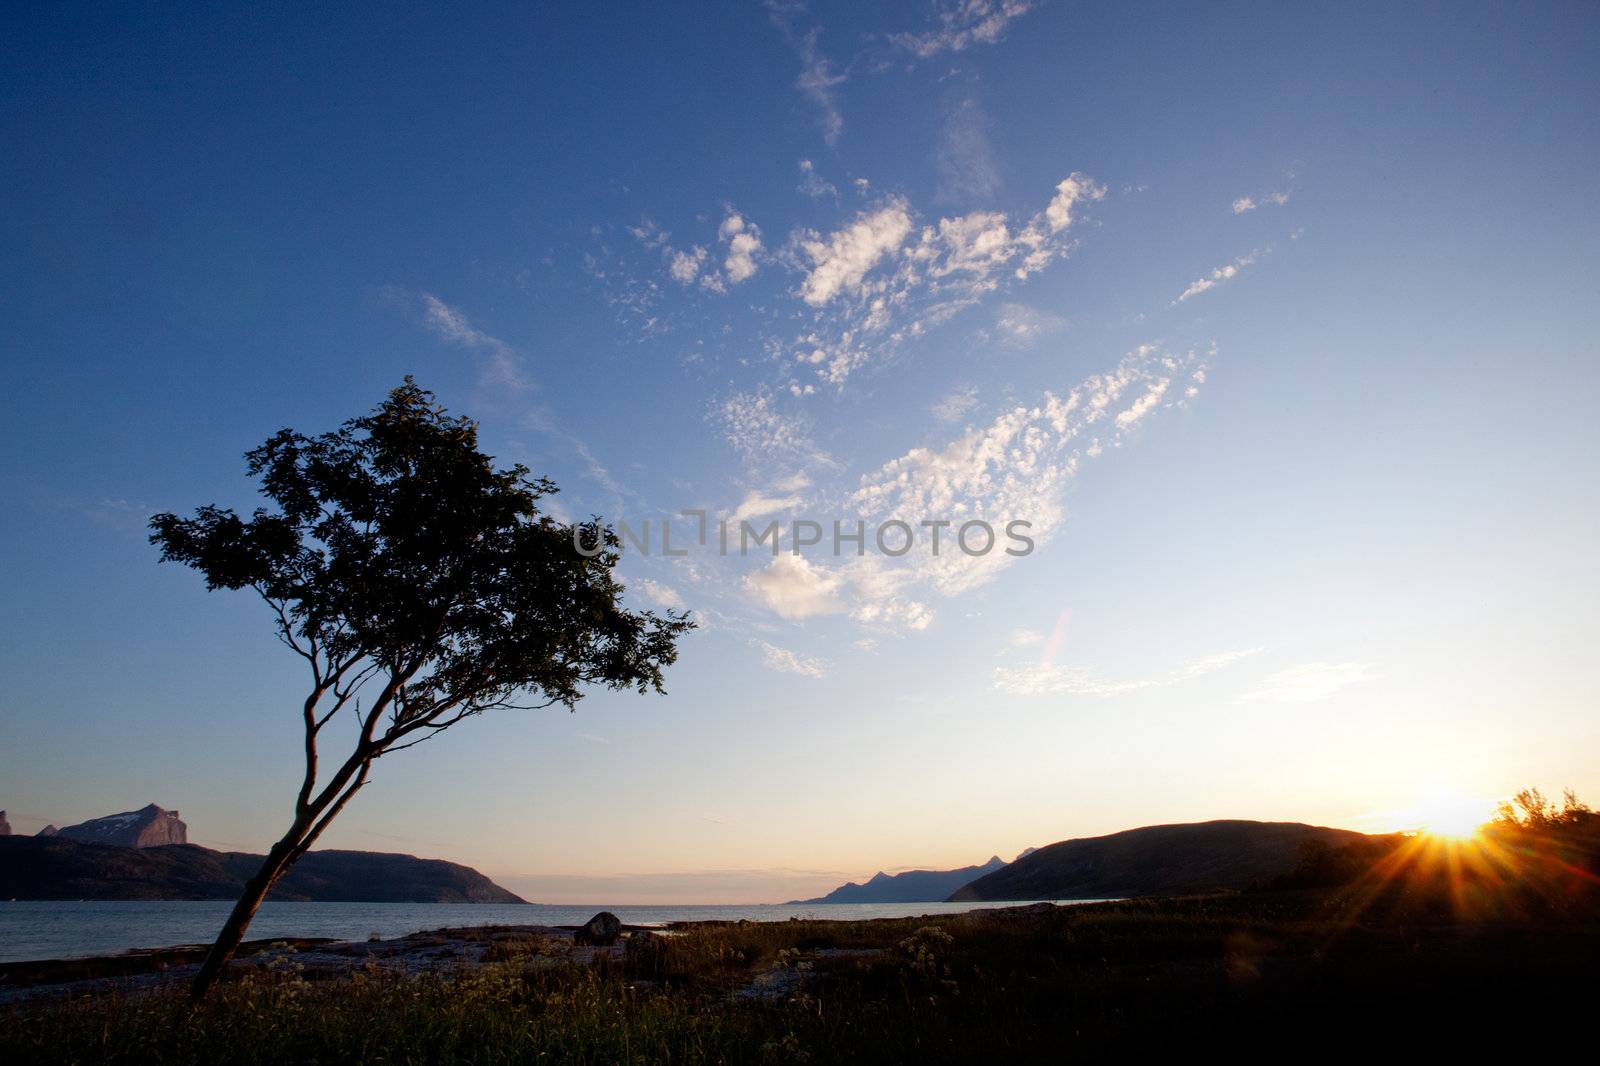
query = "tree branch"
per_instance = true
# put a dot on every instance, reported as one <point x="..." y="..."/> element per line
<point x="333" y="812"/>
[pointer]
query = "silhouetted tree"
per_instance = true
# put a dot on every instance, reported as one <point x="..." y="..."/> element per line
<point x="422" y="587"/>
<point x="1529" y="809"/>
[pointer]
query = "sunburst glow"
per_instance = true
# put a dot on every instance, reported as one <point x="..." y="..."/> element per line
<point x="1450" y="814"/>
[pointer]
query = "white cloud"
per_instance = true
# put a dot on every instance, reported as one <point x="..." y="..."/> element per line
<point x="975" y="243"/>
<point x="1043" y="678"/>
<point x="1144" y="404"/>
<point x="875" y="283"/>
<point x="757" y="503"/>
<point x="744" y="244"/>
<point x="962" y="23"/>
<point x="792" y="588"/>
<point x="893" y="612"/>
<point x="839" y="262"/>
<point x="954" y="407"/>
<point x="792" y="483"/>
<point x="685" y="266"/>
<point x="785" y="661"/>
<point x="1070" y="191"/>
<point x="742" y="240"/>
<point x="1250" y="203"/>
<point x="661" y="595"/>
<point x="1309" y="682"/>
<point x="1217" y="277"/>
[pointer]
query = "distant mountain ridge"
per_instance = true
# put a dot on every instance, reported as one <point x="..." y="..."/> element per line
<point x="1156" y="860"/>
<point x="57" y="867"/>
<point x="148" y="827"/>
<point x="912" y="886"/>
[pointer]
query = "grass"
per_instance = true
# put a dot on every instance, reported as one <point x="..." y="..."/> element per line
<point x="1280" y="972"/>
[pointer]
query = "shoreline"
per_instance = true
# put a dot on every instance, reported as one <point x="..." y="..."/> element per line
<point x="58" y="931"/>
<point x="451" y="948"/>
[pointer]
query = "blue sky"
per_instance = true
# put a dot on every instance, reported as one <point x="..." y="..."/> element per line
<point x="1314" y="538"/>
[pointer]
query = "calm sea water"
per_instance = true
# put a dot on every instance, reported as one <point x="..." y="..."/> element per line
<point x="54" y="930"/>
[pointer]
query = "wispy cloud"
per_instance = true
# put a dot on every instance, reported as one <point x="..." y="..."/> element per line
<point x="502" y="375"/>
<point x="1250" y="203"/>
<point x="1227" y="272"/>
<point x="759" y="502"/>
<point x="1309" y="682"/>
<point x="956" y="404"/>
<point x="1015" y="467"/>
<point x="503" y="368"/>
<point x="882" y="280"/>
<point x="965" y="159"/>
<point x="813" y="184"/>
<point x="124" y="516"/>
<point x="1018" y="465"/>
<point x="818" y="82"/>
<point x="1045" y="678"/>
<point x="661" y="595"/>
<point x="1023" y="637"/>
<point x="787" y="662"/>
<point x="960" y="24"/>
<point x="1020" y="326"/>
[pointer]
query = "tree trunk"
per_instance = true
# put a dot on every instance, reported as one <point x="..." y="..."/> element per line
<point x="255" y="890"/>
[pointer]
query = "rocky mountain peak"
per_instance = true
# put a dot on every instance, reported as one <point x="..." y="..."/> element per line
<point x="148" y="827"/>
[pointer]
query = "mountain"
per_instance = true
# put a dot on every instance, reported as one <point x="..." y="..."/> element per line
<point x="147" y="827"/>
<point x="1157" y="860"/>
<point x="61" y="868"/>
<point x="913" y="886"/>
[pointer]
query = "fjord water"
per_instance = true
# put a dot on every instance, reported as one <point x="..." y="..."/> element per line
<point x="31" y="929"/>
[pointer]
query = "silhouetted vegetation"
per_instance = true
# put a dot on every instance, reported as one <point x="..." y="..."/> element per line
<point x="1245" y="974"/>
<point x="422" y="587"/>
<point x="1535" y="859"/>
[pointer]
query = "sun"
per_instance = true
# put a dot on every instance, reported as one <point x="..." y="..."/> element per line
<point x="1452" y="815"/>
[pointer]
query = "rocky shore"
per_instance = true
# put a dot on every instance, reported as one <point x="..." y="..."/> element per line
<point x="432" y="951"/>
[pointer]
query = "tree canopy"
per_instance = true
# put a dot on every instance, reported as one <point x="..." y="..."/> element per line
<point x="398" y="550"/>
